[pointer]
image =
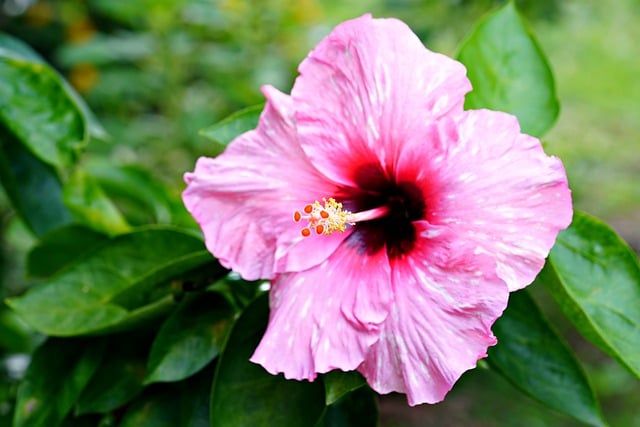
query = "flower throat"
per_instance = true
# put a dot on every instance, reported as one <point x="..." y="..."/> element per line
<point x="382" y="213"/>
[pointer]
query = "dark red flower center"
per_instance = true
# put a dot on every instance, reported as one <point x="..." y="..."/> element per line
<point x="395" y="231"/>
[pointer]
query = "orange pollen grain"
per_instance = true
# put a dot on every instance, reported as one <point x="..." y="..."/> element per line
<point x="297" y="216"/>
<point x="319" y="229"/>
<point x="305" y="232"/>
<point x="308" y="209"/>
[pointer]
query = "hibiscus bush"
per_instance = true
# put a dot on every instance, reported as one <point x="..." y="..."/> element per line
<point x="377" y="230"/>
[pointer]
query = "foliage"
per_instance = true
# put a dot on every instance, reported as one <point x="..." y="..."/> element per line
<point x="136" y="324"/>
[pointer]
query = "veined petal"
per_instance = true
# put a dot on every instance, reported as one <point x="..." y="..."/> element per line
<point x="496" y="188"/>
<point x="244" y="199"/>
<point x="327" y="317"/>
<point x="365" y="89"/>
<point x="439" y="323"/>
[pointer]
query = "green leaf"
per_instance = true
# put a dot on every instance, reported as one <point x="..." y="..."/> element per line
<point x="509" y="71"/>
<point x="595" y="278"/>
<point x="190" y="338"/>
<point x="59" y="371"/>
<point x="36" y="108"/>
<point x="139" y="196"/>
<point x="338" y="383"/>
<point x="356" y="409"/>
<point x="533" y="357"/>
<point x="194" y="399"/>
<point x="121" y="279"/>
<point x="33" y="186"/>
<point x="15" y="335"/>
<point x="244" y="394"/>
<point x="60" y="248"/>
<point x="230" y="127"/>
<point x="90" y="205"/>
<point x="184" y="404"/>
<point x="12" y="47"/>
<point x="43" y="125"/>
<point x="155" y="408"/>
<point x="118" y="378"/>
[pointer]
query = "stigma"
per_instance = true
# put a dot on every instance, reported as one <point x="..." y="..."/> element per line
<point x="324" y="218"/>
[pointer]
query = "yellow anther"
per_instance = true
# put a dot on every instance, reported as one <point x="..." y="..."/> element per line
<point x="324" y="218"/>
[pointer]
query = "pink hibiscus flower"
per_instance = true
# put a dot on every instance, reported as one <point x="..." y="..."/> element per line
<point x="392" y="224"/>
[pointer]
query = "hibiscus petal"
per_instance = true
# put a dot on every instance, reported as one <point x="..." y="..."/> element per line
<point x="365" y="89"/>
<point x="327" y="317"/>
<point x="439" y="323"/>
<point x="244" y="199"/>
<point x="496" y="188"/>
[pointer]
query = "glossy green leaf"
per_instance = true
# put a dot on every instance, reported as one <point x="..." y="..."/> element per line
<point x="534" y="358"/>
<point x="118" y="378"/>
<point x="36" y="108"/>
<point x="84" y="197"/>
<point x="195" y="399"/>
<point x="111" y="284"/>
<point x="595" y="278"/>
<point x="244" y="394"/>
<point x="33" y="186"/>
<point x="190" y="338"/>
<point x="148" y="311"/>
<point x="59" y="371"/>
<point x="237" y="123"/>
<point x="140" y="197"/>
<point x="195" y="395"/>
<point x="338" y="383"/>
<point x="15" y="335"/>
<point x="12" y="47"/>
<point x="358" y="408"/>
<point x="155" y="408"/>
<point x="509" y="71"/>
<point x="60" y="248"/>
<point x="184" y="404"/>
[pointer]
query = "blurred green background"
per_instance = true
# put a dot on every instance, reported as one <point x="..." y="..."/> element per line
<point x="155" y="72"/>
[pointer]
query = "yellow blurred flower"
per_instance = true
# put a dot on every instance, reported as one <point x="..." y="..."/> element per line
<point x="84" y="77"/>
<point x="39" y="15"/>
<point x="80" y="31"/>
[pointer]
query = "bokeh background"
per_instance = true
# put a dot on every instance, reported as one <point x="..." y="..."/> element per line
<point x="156" y="72"/>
